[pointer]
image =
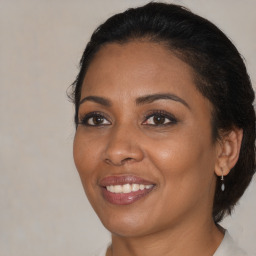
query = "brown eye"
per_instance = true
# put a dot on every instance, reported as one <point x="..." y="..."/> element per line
<point x="94" y="119"/>
<point x="158" y="120"/>
<point x="97" y="120"/>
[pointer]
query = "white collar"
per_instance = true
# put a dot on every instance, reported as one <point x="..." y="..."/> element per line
<point x="228" y="247"/>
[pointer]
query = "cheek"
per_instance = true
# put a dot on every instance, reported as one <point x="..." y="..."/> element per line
<point x="186" y="169"/>
<point x="86" y="156"/>
<point x="184" y="160"/>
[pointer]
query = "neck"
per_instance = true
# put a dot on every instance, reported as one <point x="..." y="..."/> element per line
<point x="202" y="239"/>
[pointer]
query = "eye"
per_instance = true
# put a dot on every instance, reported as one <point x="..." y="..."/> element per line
<point x="94" y="119"/>
<point x="160" y="118"/>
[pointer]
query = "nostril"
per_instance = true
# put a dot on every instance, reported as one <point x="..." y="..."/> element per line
<point x="108" y="161"/>
<point x="118" y="163"/>
<point x="128" y="159"/>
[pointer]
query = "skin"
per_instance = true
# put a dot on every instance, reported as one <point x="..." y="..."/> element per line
<point x="179" y="157"/>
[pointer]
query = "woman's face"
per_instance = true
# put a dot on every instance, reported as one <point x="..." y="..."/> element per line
<point x="144" y="147"/>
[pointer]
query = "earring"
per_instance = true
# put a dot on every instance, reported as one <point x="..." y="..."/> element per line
<point x="222" y="182"/>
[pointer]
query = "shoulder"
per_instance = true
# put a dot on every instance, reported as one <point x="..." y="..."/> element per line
<point x="228" y="247"/>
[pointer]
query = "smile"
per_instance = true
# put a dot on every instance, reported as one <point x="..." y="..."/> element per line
<point x="124" y="190"/>
<point x="128" y="188"/>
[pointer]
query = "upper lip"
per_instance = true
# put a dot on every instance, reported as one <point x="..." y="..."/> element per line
<point x="123" y="179"/>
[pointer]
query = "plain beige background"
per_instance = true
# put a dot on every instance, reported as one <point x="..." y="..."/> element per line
<point x="43" y="209"/>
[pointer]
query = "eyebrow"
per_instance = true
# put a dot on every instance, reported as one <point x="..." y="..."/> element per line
<point x="102" y="101"/>
<point x="139" y="101"/>
<point x="161" y="96"/>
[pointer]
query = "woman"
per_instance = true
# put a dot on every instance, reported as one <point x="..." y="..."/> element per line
<point x="165" y="131"/>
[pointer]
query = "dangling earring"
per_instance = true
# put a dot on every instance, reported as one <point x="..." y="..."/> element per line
<point x="222" y="182"/>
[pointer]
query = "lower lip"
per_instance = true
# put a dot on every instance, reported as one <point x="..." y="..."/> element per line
<point x="125" y="198"/>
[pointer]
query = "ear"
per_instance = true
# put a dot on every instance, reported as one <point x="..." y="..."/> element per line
<point x="228" y="150"/>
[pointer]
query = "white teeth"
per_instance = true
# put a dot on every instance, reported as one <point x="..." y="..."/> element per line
<point x="135" y="187"/>
<point x="142" y="187"/>
<point x="127" y="188"/>
<point x="118" y="189"/>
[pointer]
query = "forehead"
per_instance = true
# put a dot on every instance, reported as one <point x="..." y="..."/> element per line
<point x="135" y="68"/>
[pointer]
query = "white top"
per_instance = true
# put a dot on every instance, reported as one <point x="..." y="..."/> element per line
<point x="227" y="248"/>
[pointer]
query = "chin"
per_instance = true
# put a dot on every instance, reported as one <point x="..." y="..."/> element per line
<point x="126" y="225"/>
<point x="126" y="230"/>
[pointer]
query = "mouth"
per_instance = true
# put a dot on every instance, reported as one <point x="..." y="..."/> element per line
<point x="124" y="190"/>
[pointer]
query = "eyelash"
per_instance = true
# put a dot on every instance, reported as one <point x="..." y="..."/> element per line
<point x="85" y="119"/>
<point x="154" y="113"/>
<point x="161" y="114"/>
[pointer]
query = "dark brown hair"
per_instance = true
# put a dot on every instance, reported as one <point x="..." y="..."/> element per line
<point x="220" y="76"/>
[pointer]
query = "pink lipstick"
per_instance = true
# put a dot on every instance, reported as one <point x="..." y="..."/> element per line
<point x="123" y="190"/>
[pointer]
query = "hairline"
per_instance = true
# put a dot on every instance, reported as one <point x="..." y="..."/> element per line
<point x="177" y="52"/>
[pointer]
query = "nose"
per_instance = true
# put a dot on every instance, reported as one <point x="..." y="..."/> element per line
<point x="123" y="146"/>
